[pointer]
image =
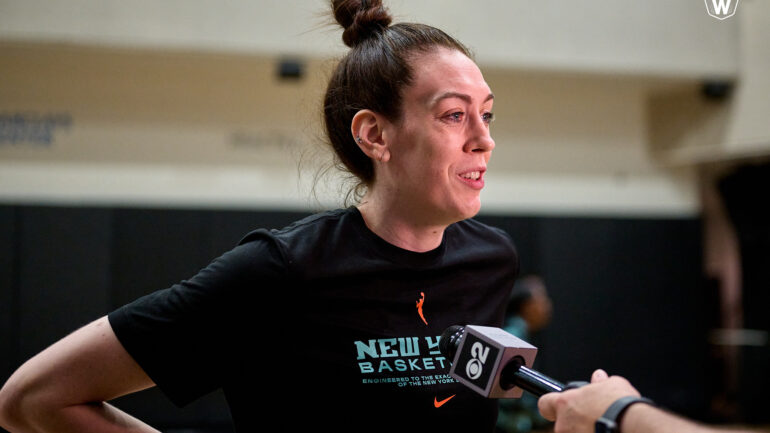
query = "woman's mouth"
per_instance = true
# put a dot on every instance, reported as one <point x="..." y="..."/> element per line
<point x="473" y="178"/>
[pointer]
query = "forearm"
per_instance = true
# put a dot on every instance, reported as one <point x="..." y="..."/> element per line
<point x="62" y="388"/>
<point x="84" y="418"/>
<point x="642" y="418"/>
<point x="576" y="410"/>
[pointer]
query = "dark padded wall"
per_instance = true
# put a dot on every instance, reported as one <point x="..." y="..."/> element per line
<point x="155" y="249"/>
<point x="625" y="291"/>
<point x="64" y="256"/>
<point x="8" y="292"/>
<point x="628" y="298"/>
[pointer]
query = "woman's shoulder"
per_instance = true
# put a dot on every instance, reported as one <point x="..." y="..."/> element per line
<point x="473" y="228"/>
<point x="305" y="228"/>
<point x="302" y="240"/>
<point x="483" y="242"/>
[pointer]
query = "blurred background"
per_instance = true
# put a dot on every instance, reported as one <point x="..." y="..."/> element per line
<point x="140" y="139"/>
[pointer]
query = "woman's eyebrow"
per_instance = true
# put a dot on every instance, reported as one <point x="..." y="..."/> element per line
<point x="467" y="98"/>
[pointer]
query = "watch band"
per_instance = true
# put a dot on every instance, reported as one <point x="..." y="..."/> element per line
<point x="610" y="421"/>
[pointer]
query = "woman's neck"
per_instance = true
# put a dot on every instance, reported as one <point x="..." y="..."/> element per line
<point x="400" y="225"/>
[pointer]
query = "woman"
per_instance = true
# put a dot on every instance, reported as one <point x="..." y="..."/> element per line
<point x="335" y="318"/>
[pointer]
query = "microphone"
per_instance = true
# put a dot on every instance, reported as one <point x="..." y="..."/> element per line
<point x="494" y="363"/>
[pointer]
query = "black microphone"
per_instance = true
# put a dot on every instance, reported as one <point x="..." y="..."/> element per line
<point x="494" y="363"/>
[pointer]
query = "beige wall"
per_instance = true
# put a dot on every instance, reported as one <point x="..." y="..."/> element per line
<point x="163" y="124"/>
<point x="687" y="130"/>
<point x="660" y="37"/>
<point x="221" y="129"/>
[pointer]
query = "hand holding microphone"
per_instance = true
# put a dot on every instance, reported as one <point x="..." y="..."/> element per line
<point x="495" y="363"/>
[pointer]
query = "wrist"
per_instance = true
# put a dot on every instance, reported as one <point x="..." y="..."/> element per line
<point x="610" y="421"/>
<point x="634" y="417"/>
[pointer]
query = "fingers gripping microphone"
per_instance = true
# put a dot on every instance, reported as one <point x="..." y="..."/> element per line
<point x="494" y="363"/>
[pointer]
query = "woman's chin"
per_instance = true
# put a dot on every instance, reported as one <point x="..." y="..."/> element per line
<point x="469" y="210"/>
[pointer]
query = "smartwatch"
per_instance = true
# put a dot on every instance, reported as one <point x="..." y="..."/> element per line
<point x="610" y="421"/>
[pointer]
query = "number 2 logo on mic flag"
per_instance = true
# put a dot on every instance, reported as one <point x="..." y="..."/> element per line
<point x="475" y="362"/>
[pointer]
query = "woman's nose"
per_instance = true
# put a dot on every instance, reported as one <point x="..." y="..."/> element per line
<point x="480" y="139"/>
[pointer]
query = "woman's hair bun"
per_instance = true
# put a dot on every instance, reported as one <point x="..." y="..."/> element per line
<point x="360" y="19"/>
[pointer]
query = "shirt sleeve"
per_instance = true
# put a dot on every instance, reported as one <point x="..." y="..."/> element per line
<point x="185" y="336"/>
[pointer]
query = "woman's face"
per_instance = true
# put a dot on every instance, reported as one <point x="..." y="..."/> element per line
<point x="440" y="147"/>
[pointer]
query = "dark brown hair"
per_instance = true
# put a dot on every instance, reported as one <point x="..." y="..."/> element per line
<point x="373" y="74"/>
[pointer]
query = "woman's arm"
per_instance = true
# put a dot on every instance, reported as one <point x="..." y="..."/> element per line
<point x="642" y="418"/>
<point x="64" y="388"/>
<point x="576" y="410"/>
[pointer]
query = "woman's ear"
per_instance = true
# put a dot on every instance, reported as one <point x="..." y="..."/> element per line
<point x="367" y="127"/>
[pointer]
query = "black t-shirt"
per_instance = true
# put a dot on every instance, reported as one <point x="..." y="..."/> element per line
<point x="323" y="324"/>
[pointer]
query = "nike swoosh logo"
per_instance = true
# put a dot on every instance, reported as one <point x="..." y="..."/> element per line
<point x="437" y="403"/>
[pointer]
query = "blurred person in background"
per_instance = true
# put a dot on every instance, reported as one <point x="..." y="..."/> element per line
<point x="529" y="310"/>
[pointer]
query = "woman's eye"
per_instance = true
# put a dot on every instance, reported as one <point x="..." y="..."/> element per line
<point x="457" y="116"/>
<point x="488" y="117"/>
